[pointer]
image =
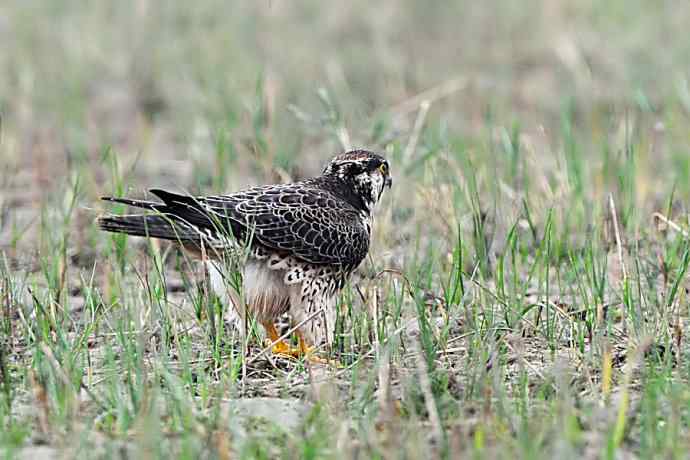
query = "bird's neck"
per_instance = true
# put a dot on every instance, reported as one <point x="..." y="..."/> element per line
<point x="349" y="191"/>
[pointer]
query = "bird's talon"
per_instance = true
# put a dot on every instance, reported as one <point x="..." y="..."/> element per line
<point x="283" y="349"/>
<point x="279" y="348"/>
<point x="303" y="350"/>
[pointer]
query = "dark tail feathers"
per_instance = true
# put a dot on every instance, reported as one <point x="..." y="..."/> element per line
<point x="178" y="218"/>
<point x="153" y="226"/>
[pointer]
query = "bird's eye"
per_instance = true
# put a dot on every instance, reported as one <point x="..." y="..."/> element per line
<point x="383" y="168"/>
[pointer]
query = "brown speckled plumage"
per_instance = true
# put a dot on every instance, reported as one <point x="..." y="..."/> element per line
<point x="305" y="238"/>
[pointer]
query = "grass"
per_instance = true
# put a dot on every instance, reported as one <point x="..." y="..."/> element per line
<point x="526" y="293"/>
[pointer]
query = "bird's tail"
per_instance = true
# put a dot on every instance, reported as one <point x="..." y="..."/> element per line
<point x="178" y="217"/>
<point x="151" y="225"/>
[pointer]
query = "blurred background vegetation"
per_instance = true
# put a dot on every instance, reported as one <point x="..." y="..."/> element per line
<point x="169" y="81"/>
<point x="513" y="127"/>
<point x="185" y="94"/>
<point x="193" y="94"/>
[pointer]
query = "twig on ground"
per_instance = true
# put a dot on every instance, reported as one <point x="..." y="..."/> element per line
<point x="670" y="223"/>
<point x="619" y="246"/>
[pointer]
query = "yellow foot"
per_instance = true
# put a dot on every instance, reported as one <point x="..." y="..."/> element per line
<point x="304" y="350"/>
<point x="308" y="353"/>
<point x="283" y="349"/>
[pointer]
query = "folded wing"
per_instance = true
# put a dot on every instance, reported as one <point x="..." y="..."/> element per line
<point x="305" y="222"/>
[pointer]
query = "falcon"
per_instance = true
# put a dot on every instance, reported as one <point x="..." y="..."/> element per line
<point x="301" y="241"/>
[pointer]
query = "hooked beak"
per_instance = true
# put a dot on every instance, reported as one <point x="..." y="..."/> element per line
<point x="389" y="182"/>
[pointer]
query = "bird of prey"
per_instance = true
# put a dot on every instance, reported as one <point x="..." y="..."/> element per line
<point x="302" y="240"/>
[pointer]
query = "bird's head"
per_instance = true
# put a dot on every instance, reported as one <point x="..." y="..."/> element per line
<point x="365" y="172"/>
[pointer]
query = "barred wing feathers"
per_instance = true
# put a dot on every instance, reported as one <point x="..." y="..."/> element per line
<point x="298" y="219"/>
